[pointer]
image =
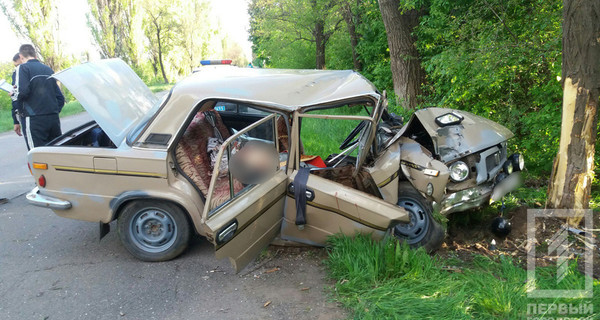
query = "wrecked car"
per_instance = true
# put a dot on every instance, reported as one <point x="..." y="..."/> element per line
<point x="241" y="156"/>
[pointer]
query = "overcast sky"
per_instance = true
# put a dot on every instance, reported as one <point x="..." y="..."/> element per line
<point x="76" y="37"/>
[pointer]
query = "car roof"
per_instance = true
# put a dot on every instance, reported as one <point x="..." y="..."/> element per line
<point x="281" y="89"/>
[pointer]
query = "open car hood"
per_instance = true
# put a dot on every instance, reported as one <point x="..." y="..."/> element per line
<point x="111" y="93"/>
<point x="472" y="134"/>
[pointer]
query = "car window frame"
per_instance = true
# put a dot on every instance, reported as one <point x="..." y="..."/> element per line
<point x="210" y="213"/>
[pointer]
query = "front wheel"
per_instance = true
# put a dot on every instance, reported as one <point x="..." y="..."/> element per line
<point x="422" y="230"/>
<point x="153" y="230"/>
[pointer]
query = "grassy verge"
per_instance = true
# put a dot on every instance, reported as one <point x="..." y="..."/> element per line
<point x="160" y="87"/>
<point x="387" y="280"/>
<point x="6" y="122"/>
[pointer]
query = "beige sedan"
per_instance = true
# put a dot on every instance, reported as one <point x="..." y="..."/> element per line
<point x="242" y="156"/>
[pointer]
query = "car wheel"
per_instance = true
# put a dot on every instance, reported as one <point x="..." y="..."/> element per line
<point x="422" y="230"/>
<point x="153" y="230"/>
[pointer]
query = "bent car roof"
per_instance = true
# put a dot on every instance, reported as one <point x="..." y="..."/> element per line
<point x="287" y="90"/>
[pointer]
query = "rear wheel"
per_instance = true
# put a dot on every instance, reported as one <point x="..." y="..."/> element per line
<point x="153" y="230"/>
<point x="422" y="230"/>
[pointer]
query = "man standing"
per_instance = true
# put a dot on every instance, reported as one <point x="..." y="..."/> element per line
<point x="19" y="125"/>
<point x="39" y="98"/>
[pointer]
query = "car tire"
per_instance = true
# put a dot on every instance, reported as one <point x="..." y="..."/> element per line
<point x="422" y="230"/>
<point x="153" y="230"/>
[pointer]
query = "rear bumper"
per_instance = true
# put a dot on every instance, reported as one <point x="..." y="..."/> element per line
<point x="35" y="198"/>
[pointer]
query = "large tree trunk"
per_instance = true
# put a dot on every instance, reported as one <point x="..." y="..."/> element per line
<point x="320" y="43"/>
<point x="351" y="23"/>
<point x="407" y="74"/>
<point x="572" y="173"/>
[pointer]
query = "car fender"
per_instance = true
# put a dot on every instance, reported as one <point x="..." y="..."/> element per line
<point x="190" y="208"/>
<point x="420" y="168"/>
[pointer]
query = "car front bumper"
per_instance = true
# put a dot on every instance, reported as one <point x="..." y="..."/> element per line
<point x="478" y="196"/>
<point x="35" y="198"/>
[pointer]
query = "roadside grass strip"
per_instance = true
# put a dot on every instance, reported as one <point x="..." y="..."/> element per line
<point x="388" y="280"/>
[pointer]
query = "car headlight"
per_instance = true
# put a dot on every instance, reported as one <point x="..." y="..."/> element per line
<point x="448" y="119"/>
<point x="508" y="167"/>
<point x="518" y="161"/>
<point x="459" y="171"/>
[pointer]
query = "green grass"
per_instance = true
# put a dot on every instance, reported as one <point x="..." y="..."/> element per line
<point x="157" y="87"/>
<point x="323" y="137"/>
<point x="388" y="280"/>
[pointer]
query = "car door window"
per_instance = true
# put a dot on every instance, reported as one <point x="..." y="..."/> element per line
<point x="241" y="162"/>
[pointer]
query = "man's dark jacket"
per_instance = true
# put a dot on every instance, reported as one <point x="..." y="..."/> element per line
<point x="36" y="93"/>
<point x="15" y="104"/>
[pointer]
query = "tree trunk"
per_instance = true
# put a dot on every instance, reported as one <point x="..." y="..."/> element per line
<point x="160" y="58"/>
<point x="320" y="43"/>
<point x="407" y="74"/>
<point x="572" y="172"/>
<point x="349" y="18"/>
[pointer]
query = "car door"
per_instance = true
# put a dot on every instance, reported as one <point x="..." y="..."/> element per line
<point x="338" y="199"/>
<point x="243" y="217"/>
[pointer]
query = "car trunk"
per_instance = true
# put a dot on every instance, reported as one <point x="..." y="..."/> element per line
<point x="86" y="135"/>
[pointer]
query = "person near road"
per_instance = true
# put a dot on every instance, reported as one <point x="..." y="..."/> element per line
<point x="39" y="98"/>
<point x="18" y="121"/>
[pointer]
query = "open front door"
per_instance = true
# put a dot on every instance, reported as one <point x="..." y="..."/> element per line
<point x="243" y="212"/>
<point x="340" y="197"/>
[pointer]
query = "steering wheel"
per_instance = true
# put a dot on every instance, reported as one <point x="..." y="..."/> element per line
<point x="348" y="141"/>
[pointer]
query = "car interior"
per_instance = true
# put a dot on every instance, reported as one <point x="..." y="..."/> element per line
<point x="222" y="119"/>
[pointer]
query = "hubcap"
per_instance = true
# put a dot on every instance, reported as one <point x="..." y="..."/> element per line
<point x="417" y="228"/>
<point x="153" y="230"/>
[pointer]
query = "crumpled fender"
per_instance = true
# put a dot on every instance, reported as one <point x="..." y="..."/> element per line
<point x="414" y="162"/>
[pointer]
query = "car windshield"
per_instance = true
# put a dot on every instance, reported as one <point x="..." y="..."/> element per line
<point x="139" y="127"/>
<point x="333" y="134"/>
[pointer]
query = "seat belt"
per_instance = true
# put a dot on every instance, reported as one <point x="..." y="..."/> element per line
<point x="300" y="195"/>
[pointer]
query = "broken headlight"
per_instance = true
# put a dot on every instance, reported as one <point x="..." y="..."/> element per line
<point x="459" y="171"/>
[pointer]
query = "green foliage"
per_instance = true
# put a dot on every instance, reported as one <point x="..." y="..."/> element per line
<point x="38" y="21"/>
<point x="500" y="60"/>
<point x="112" y="24"/>
<point x="388" y="280"/>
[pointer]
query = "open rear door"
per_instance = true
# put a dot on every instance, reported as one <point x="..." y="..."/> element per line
<point x="243" y="213"/>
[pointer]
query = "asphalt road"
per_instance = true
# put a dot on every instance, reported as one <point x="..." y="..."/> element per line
<point x="55" y="268"/>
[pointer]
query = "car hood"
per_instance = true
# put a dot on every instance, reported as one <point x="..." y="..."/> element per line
<point x="112" y="93"/>
<point x="473" y="134"/>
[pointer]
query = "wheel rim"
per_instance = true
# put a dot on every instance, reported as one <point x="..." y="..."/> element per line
<point x="417" y="228"/>
<point x="153" y="230"/>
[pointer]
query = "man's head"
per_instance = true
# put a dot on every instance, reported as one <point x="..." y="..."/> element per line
<point x="17" y="59"/>
<point x="27" y="52"/>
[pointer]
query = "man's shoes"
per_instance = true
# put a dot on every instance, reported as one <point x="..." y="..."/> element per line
<point x="3" y="200"/>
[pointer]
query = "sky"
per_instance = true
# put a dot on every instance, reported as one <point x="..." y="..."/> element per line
<point x="76" y="37"/>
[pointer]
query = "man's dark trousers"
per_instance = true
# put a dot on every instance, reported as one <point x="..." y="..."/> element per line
<point x="42" y="129"/>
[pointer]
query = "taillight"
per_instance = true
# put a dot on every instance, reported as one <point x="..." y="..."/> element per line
<point x="42" y="181"/>
<point x="29" y="166"/>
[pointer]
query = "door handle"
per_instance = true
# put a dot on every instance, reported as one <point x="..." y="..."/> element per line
<point x="310" y="194"/>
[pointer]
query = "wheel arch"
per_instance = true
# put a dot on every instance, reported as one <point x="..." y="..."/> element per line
<point x="119" y="203"/>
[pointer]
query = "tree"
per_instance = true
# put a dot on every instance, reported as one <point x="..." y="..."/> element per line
<point x="38" y="21"/>
<point x="572" y="174"/>
<point x="195" y="32"/>
<point x="274" y="24"/>
<point x="112" y="25"/>
<point x="406" y="68"/>
<point x="160" y="26"/>
<point x="349" y="12"/>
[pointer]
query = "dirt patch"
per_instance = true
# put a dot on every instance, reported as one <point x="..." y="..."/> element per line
<point x="475" y="237"/>
<point x="291" y="283"/>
